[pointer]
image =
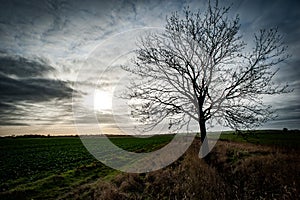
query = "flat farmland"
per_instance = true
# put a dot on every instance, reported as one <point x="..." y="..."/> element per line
<point x="40" y="165"/>
<point x="62" y="168"/>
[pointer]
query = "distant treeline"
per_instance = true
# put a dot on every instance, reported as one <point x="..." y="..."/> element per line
<point x="284" y="131"/>
<point x="37" y="136"/>
<point x="100" y="135"/>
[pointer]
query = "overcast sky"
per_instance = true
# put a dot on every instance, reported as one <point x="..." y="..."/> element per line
<point x="44" y="44"/>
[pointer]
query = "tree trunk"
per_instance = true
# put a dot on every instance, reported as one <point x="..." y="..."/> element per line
<point x="202" y="130"/>
<point x="204" y="147"/>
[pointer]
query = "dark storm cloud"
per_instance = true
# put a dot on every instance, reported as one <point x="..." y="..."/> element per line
<point x="23" y="81"/>
<point x="34" y="89"/>
<point x="22" y="67"/>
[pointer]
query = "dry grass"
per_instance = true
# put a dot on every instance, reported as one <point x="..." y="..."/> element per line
<point x="257" y="172"/>
<point x="231" y="171"/>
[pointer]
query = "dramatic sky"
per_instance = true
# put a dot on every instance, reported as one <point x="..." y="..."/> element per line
<point x="44" y="44"/>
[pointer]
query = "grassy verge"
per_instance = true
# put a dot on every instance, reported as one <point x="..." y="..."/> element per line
<point x="233" y="170"/>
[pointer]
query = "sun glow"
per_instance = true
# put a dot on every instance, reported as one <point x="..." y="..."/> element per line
<point x="102" y="100"/>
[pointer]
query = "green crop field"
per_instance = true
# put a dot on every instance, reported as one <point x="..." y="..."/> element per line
<point x="39" y="164"/>
<point x="47" y="167"/>
<point x="266" y="137"/>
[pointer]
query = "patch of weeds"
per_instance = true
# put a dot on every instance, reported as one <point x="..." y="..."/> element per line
<point x="235" y="155"/>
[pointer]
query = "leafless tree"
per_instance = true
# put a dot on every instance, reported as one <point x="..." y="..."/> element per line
<point x="200" y="69"/>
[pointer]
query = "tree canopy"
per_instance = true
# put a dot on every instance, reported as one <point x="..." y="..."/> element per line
<point x="200" y="68"/>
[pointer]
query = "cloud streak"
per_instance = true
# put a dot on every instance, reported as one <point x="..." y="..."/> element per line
<point x="24" y="85"/>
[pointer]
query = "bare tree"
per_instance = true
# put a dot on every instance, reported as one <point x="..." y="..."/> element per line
<point x="200" y="69"/>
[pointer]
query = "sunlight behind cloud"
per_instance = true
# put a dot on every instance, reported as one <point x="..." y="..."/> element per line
<point x="102" y="100"/>
<point x="98" y="100"/>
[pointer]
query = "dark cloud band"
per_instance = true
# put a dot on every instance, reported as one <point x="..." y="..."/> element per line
<point x="23" y="81"/>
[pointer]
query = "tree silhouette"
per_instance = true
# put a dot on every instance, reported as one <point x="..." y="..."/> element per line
<point x="200" y="69"/>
